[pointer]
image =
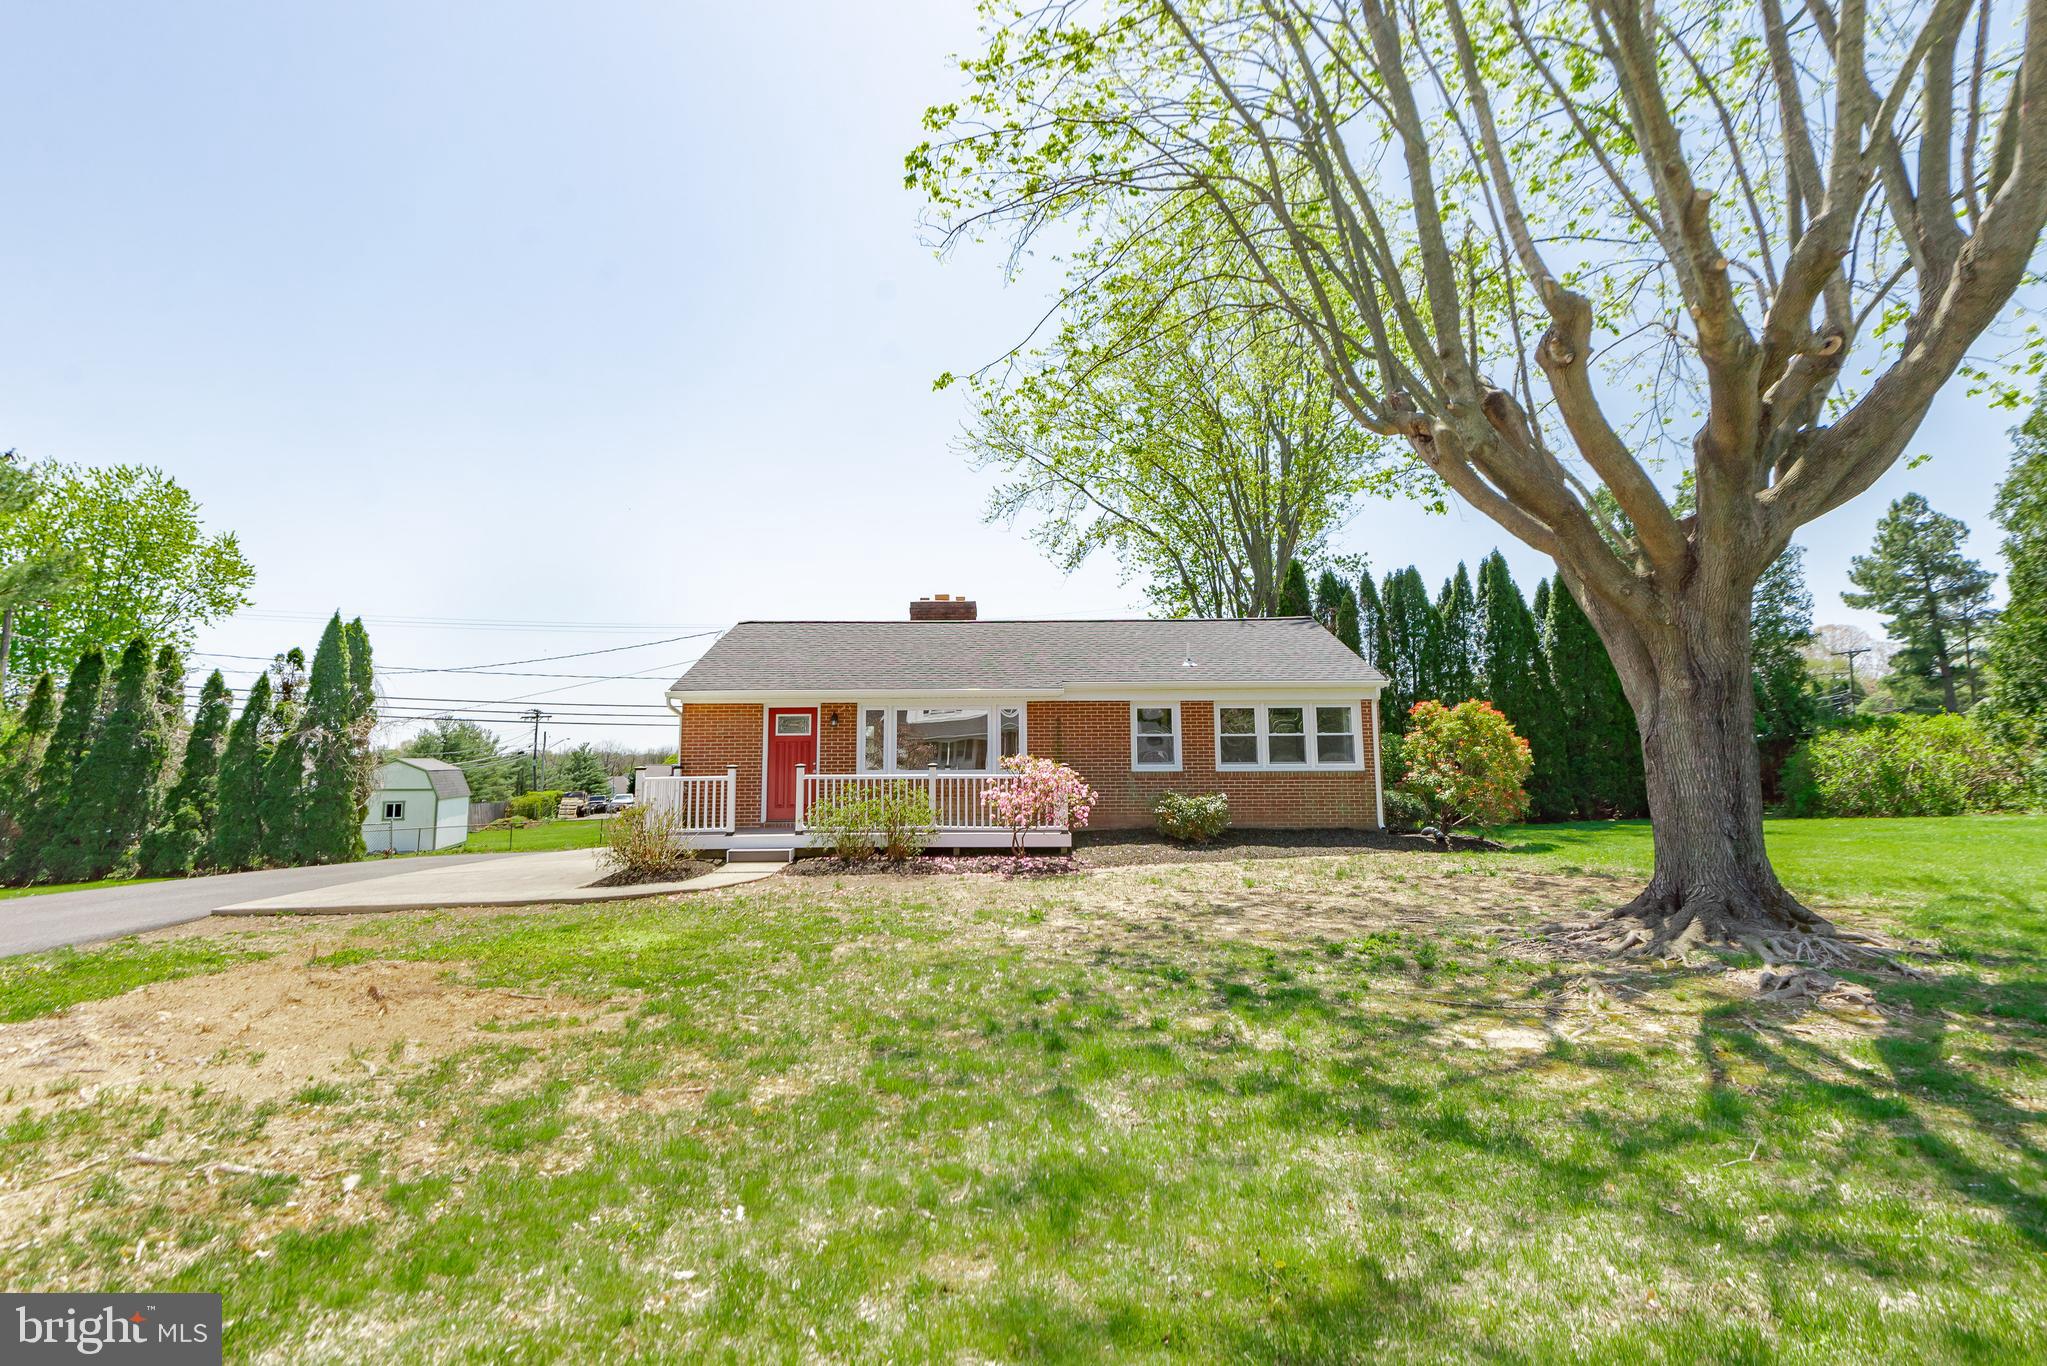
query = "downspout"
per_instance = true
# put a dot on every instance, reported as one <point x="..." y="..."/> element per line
<point x="1378" y="763"/>
<point x="665" y="697"/>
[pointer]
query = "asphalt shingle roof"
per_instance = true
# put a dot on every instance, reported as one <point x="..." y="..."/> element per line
<point x="447" y="778"/>
<point x="895" y="656"/>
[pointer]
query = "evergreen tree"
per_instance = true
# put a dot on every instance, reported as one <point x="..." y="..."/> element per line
<point x="2018" y="643"/>
<point x="1603" y="749"/>
<point x="1457" y="680"/>
<point x="1346" y="627"/>
<point x="114" y="789"/>
<point x="472" y="749"/>
<point x="1371" y="621"/>
<point x="1538" y="605"/>
<point x="1293" y="592"/>
<point x="1514" y="677"/>
<point x="331" y="829"/>
<point x="1411" y="631"/>
<point x="238" y="822"/>
<point x="21" y="754"/>
<point x="168" y="677"/>
<point x="43" y="821"/>
<point x="582" y="770"/>
<point x="1933" y="597"/>
<point x="182" y="840"/>
<point x="1329" y="592"/>
<point x="1788" y="704"/>
<point x="362" y="689"/>
<point x="284" y="800"/>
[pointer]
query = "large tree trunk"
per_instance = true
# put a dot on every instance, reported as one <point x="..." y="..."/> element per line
<point x="1713" y="885"/>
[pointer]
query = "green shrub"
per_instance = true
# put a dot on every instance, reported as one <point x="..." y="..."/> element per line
<point x="1941" y="765"/>
<point x="645" y="843"/>
<point x="896" y="816"/>
<point x="535" y="805"/>
<point x="1404" y="810"/>
<point x="1196" y="819"/>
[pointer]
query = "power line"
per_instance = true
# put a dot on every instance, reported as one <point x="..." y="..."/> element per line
<point x="549" y="659"/>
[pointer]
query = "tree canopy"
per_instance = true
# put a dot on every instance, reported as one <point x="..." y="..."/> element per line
<point x="136" y="561"/>
<point x="1487" y="219"/>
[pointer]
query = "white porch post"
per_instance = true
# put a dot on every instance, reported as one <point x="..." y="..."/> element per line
<point x="732" y="799"/>
<point x="931" y="793"/>
<point x="799" y="798"/>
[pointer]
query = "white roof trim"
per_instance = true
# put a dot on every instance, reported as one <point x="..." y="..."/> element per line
<point x="1192" y="690"/>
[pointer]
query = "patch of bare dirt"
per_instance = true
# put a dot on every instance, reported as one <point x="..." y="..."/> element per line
<point x="263" y="1029"/>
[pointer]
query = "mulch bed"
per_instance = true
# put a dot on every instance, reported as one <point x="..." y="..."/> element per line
<point x="679" y="872"/>
<point x="1123" y="848"/>
<point x="991" y="865"/>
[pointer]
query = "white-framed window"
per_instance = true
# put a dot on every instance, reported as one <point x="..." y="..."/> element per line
<point x="909" y="737"/>
<point x="1155" y="736"/>
<point x="793" y="723"/>
<point x="1287" y="735"/>
<point x="394" y="811"/>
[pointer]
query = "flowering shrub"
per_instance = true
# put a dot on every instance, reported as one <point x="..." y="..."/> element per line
<point x="1042" y="788"/>
<point x="1196" y="819"/>
<point x="1465" y="764"/>
<point x="1905" y="766"/>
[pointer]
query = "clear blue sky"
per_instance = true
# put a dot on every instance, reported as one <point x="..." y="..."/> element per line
<point x="606" y="313"/>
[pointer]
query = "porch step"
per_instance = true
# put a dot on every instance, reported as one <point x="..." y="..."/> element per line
<point x="760" y="855"/>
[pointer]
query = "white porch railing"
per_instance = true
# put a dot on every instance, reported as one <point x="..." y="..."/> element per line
<point x="703" y="801"/>
<point x="956" y="798"/>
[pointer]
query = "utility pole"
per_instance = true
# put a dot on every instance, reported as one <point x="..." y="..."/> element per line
<point x="536" y="716"/>
<point x="1849" y="654"/>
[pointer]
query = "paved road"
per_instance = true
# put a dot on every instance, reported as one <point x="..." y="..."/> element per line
<point x="30" y="923"/>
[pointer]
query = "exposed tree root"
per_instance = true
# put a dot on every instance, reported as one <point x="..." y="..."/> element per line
<point x="1657" y="925"/>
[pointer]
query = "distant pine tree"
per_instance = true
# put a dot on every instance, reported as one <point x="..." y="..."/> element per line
<point x="21" y="754"/>
<point x="238" y="820"/>
<point x="43" y="820"/>
<point x="1604" y="768"/>
<point x="1293" y="592"/>
<point x="182" y="840"/>
<point x="1514" y="677"/>
<point x="332" y="822"/>
<point x="114" y="789"/>
<point x="1458" y="607"/>
<point x="1538" y="604"/>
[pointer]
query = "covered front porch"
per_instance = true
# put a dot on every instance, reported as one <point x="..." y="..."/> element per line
<point x="707" y="808"/>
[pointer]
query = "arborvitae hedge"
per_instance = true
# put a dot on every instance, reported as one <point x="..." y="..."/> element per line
<point x="43" y="820"/>
<point x="238" y="826"/>
<point x="181" y="841"/>
<point x="114" y="788"/>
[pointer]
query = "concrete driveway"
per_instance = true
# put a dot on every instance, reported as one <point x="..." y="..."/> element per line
<point x="30" y="923"/>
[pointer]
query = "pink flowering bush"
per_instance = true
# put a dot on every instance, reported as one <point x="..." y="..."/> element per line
<point x="1465" y="765"/>
<point x="1042" y="789"/>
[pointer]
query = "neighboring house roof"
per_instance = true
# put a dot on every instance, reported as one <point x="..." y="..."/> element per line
<point x="851" y="657"/>
<point x="447" y="778"/>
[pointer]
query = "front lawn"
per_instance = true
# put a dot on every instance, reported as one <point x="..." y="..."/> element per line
<point x="1300" y="1109"/>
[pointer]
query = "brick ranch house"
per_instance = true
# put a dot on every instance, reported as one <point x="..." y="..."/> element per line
<point x="779" y="716"/>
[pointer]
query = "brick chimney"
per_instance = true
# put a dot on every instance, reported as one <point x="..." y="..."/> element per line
<point x="943" y="607"/>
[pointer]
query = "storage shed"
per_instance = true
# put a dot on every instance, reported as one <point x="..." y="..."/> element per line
<point x="418" y="804"/>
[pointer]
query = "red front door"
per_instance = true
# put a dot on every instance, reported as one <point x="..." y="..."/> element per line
<point x="792" y="740"/>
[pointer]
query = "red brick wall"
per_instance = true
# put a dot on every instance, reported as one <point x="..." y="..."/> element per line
<point x="1094" y="738"/>
<point x="718" y="735"/>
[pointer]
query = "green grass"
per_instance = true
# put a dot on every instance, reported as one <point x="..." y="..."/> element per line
<point x="957" y="1119"/>
<point x="37" y="984"/>
<point x="9" y="893"/>
<point x="587" y="833"/>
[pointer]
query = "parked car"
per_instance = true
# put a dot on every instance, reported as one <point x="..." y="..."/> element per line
<point x="599" y="804"/>
<point x="620" y="801"/>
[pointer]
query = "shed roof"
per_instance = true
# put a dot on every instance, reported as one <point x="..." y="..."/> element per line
<point x="448" y="779"/>
<point x="1052" y="656"/>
